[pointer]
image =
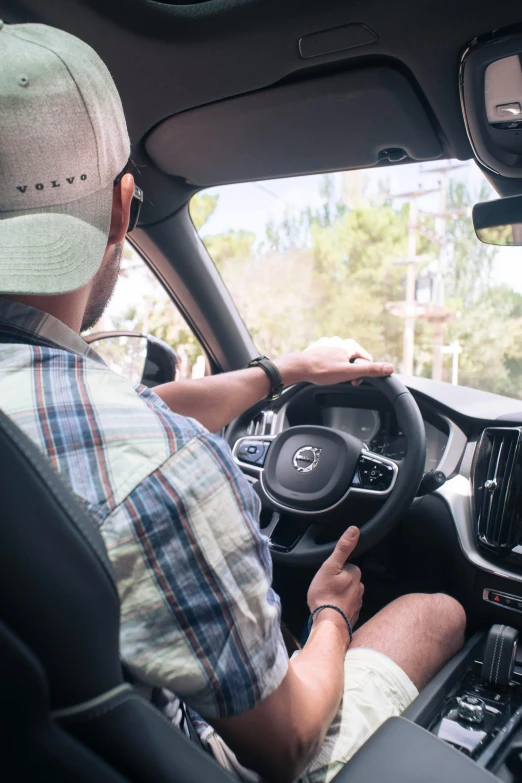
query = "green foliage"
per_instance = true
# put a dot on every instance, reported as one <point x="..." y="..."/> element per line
<point x="470" y="260"/>
<point x="231" y="248"/>
<point x="355" y="276"/>
<point x="290" y="233"/>
<point x="202" y="206"/>
<point x="499" y="235"/>
<point x="158" y="316"/>
<point x="491" y="334"/>
<point x="330" y="271"/>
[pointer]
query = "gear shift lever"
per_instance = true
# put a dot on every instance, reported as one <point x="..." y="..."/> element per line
<point x="499" y="656"/>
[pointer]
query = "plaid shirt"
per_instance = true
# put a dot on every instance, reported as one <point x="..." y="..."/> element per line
<point x="180" y="521"/>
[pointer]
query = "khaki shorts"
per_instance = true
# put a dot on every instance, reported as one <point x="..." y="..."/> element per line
<point x="375" y="689"/>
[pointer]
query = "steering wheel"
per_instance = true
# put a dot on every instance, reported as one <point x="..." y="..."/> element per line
<point x="308" y="471"/>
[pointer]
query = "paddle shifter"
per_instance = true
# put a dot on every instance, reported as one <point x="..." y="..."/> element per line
<point x="499" y="656"/>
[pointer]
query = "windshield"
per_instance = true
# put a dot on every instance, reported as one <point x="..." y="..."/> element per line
<point x="387" y="256"/>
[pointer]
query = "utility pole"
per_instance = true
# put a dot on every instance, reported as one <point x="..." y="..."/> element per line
<point x="353" y="184"/>
<point x="433" y="311"/>
<point x="409" y="315"/>
<point x="440" y="315"/>
<point x="454" y="349"/>
<point x="408" y="308"/>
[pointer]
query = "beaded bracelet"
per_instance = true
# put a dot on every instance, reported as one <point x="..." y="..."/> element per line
<point x="337" y="609"/>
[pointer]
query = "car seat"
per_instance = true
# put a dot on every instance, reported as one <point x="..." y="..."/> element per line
<point x="66" y="710"/>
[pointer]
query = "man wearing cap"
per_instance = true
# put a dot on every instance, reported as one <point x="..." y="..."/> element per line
<point x="199" y="616"/>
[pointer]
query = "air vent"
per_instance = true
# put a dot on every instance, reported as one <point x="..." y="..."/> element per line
<point x="261" y="424"/>
<point x="497" y="491"/>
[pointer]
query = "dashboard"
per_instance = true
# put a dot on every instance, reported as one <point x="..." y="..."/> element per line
<point x="455" y="538"/>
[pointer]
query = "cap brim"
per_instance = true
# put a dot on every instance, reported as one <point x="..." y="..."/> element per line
<point x="54" y="250"/>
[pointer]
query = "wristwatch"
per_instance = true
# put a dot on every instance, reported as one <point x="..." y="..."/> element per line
<point x="276" y="382"/>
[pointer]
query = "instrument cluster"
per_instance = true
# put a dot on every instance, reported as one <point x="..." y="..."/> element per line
<point x="380" y="431"/>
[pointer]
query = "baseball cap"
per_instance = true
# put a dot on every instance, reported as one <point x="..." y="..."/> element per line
<point x="63" y="141"/>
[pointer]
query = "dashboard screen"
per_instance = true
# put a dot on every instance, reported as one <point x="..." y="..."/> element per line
<point x="380" y="431"/>
<point x="359" y="422"/>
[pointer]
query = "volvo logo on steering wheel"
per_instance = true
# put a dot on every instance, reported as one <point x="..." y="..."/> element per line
<point x="306" y="459"/>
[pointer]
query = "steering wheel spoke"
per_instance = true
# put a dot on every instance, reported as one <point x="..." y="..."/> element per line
<point x="306" y="542"/>
<point x="251" y="451"/>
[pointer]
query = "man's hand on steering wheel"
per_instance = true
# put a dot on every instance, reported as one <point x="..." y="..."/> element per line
<point x="329" y="361"/>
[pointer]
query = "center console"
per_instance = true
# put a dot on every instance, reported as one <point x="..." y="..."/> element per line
<point x="482" y="716"/>
<point x="466" y="725"/>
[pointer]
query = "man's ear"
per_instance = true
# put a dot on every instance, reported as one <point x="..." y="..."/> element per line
<point x="121" y="204"/>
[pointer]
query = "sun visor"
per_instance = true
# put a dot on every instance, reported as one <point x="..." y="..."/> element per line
<point x="351" y="120"/>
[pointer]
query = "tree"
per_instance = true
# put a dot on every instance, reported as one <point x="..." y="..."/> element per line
<point x="232" y="248"/>
<point x="355" y="276"/>
<point x="155" y="313"/>
<point x="491" y="333"/>
<point x="470" y="261"/>
<point x="489" y="326"/>
<point x="330" y="270"/>
<point x="202" y="206"/>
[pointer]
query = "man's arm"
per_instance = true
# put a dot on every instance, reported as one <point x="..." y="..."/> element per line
<point x="282" y="734"/>
<point x="218" y="399"/>
<point x="199" y="616"/>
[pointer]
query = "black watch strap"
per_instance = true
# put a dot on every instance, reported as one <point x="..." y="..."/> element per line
<point x="276" y="382"/>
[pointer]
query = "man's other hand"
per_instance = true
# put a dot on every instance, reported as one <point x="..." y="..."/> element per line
<point x="329" y="361"/>
<point x="282" y="734"/>
<point x="338" y="583"/>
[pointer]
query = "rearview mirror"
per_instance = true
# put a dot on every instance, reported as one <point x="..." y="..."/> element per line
<point x="140" y="358"/>
<point x="499" y="222"/>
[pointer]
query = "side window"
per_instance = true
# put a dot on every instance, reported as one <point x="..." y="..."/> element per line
<point x="141" y="303"/>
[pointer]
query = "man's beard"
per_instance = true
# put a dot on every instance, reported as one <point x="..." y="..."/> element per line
<point x="103" y="286"/>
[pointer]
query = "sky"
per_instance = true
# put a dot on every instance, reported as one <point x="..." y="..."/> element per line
<point x="249" y="206"/>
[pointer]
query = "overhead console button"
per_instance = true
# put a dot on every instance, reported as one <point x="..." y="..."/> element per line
<point x="509" y="110"/>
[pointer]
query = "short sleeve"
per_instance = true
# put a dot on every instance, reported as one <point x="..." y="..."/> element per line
<point x="199" y="615"/>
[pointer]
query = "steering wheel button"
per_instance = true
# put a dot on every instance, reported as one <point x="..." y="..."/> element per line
<point x="253" y="452"/>
<point x="262" y="454"/>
